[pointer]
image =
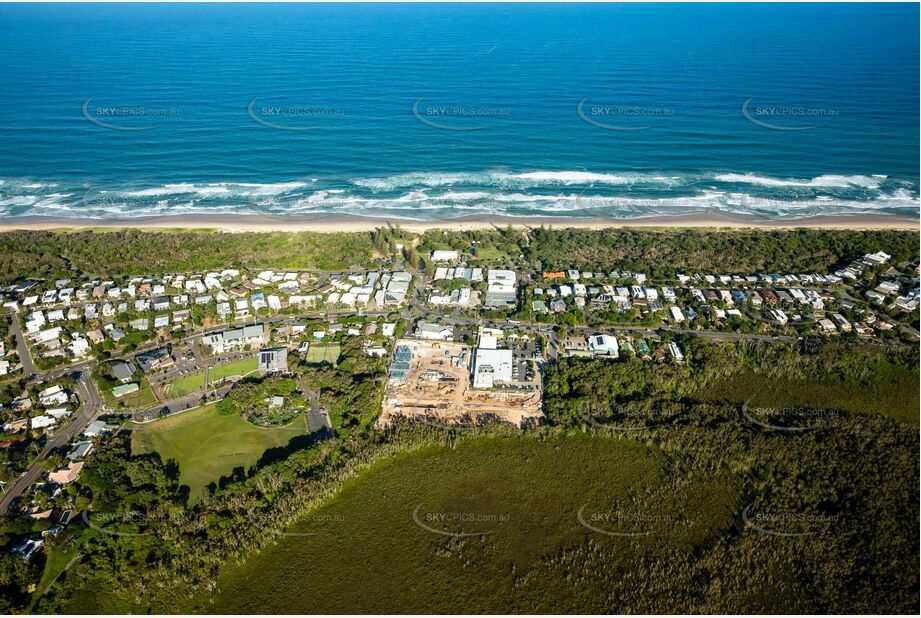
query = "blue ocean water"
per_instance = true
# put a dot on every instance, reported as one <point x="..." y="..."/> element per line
<point x="445" y="111"/>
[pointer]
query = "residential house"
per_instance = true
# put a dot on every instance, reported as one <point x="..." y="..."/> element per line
<point x="67" y="474"/>
<point x="122" y="371"/>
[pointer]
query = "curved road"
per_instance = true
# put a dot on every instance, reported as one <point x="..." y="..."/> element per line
<point x="91" y="403"/>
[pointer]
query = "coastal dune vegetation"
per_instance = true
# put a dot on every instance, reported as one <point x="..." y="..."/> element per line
<point x="659" y="252"/>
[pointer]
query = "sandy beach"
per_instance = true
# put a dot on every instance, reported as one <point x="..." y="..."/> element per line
<point x="260" y="223"/>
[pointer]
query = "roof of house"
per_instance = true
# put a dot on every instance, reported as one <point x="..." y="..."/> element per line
<point x="67" y="474"/>
<point x="122" y="370"/>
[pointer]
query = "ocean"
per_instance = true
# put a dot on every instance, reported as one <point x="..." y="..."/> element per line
<point x="430" y="112"/>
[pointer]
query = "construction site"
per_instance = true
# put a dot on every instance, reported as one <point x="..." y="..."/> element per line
<point x="430" y="383"/>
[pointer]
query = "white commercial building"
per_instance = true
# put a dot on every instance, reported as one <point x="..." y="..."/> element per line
<point x="236" y="339"/>
<point x="435" y="332"/>
<point x="501" y="290"/>
<point x="604" y="344"/>
<point x="491" y="365"/>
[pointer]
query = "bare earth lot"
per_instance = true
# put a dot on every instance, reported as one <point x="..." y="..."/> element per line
<point x="437" y="390"/>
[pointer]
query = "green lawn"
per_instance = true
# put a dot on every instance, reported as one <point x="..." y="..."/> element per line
<point x="191" y="383"/>
<point x="141" y="398"/>
<point x="236" y="368"/>
<point x="490" y="254"/>
<point x="184" y="385"/>
<point x="323" y="352"/>
<point x="524" y="493"/>
<point x="208" y="445"/>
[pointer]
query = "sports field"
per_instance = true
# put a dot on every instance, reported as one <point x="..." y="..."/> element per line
<point x="184" y="385"/>
<point x="208" y="445"/>
<point x="188" y="384"/>
<point x="323" y="353"/>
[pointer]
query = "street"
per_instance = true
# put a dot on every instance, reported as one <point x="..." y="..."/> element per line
<point x="25" y="356"/>
<point x="91" y="403"/>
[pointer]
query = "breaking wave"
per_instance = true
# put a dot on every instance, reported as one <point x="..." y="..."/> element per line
<point x="828" y="180"/>
<point x="216" y="189"/>
<point x="449" y="195"/>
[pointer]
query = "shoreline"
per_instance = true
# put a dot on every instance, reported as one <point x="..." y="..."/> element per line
<point x="341" y="223"/>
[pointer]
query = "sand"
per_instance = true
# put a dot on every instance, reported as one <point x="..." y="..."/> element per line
<point x="261" y="223"/>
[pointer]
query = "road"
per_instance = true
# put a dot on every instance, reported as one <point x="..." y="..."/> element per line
<point x="25" y="355"/>
<point x="91" y="404"/>
<point x="647" y="331"/>
<point x="179" y="404"/>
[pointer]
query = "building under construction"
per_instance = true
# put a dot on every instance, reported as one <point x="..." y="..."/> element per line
<point x="431" y="383"/>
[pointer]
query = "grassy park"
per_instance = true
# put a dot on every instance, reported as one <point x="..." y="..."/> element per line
<point x="236" y="368"/>
<point x="141" y="398"/>
<point x="188" y="384"/>
<point x="208" y="445"/>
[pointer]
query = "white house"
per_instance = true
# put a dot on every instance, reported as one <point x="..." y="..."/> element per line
<point x="52" y="396"/>
<point x="442" y="255"/>
<point x="42" y="421"/>
<point x="78" y="347"/>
